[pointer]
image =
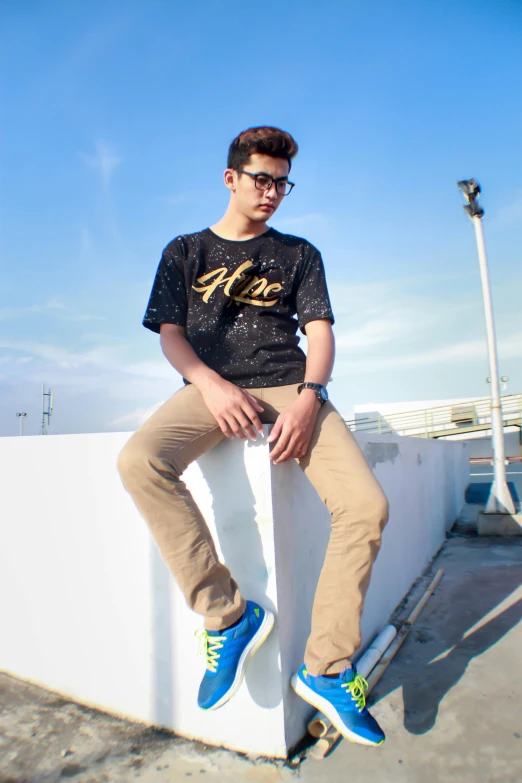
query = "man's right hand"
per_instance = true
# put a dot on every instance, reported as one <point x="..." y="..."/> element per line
<point x="234" y="409"/>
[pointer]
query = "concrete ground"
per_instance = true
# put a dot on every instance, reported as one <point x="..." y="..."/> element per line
<point x="450" y="702"/>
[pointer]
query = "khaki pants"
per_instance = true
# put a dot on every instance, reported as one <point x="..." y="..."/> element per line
<point x="183" y="429"/>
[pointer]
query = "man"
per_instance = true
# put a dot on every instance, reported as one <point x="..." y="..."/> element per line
<point x="227" y="302"/>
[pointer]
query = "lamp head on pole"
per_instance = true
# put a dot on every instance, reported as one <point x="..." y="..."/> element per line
<point x="471" y="190"/>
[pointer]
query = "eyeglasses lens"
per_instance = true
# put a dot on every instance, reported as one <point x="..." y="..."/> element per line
<point x="265" y="183"/>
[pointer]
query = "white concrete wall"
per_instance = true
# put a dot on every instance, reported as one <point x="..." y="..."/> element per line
<point x="481" y="443"/>
<point x="89" y="608"/>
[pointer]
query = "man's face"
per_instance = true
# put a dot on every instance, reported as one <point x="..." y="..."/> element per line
<point x="257" y="205"/>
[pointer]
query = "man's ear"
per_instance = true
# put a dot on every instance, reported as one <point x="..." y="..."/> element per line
<point x="230" y="178"/>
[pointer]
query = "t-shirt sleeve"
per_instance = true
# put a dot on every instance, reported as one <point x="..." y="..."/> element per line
<point x="312" y="299"/>
<point x="168" y="298"/>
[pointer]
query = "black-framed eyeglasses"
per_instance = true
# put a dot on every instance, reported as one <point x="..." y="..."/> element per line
<point x="264" y="181"/>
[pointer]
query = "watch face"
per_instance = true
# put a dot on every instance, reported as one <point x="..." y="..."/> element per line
<point x="324" y="394"/>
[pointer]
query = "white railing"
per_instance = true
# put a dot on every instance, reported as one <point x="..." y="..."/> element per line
<point x="433" y="422"/>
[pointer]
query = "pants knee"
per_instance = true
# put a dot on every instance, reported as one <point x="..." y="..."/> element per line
<point x="382" y="511"/>
<point x="373" y="511"/>
<point x="141" y="458"/>
<point x="126" y="462"/>
<point x="375" y="515"/>
<point x="134" y="460"/>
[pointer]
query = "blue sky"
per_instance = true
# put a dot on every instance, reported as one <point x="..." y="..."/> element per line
<point x="117" y="120"/>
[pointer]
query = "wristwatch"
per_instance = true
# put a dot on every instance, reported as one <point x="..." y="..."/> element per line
<point x="320" y="391"/>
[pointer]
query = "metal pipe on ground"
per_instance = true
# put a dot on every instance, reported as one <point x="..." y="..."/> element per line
<point x="373" y="664"/>
<point x="320" y="724"/>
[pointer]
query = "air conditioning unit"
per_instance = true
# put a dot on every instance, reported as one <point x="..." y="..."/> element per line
<point x="463" y="414"/>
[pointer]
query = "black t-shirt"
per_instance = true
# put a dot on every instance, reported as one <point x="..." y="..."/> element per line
<point x="238" y="300"/>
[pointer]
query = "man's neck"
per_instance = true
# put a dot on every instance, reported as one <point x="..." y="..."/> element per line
<point x="238" y="227"/>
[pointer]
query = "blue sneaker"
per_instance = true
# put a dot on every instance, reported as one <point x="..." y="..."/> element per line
<point x="342" y="700"/>
<point x="228" y="654"/>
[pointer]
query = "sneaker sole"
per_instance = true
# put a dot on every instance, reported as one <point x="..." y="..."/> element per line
<point x="329" y="710"/>
<point x="263" y="632"/>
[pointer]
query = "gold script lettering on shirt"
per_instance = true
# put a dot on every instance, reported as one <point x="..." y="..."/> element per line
<point x="219" y="275"/>
<point x="248" y="293"/>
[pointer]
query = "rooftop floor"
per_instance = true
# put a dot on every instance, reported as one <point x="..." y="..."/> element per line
<point x="450" y="703"/>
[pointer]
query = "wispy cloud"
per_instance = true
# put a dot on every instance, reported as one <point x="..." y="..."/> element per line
<point x="51" y="307"/>
<point x="105" y="356"/>
<point x="398" y="322"/>
<point x="96" y="390"/>
<point x="370" y="315"/>
<point x="137" y="417"/>
<point x="104" y="161"/>
<point x="160" y="369"/>
<point x="16" y="361"/>
<point x="405" y="332"/>
<point x="401" y="324"/>
<point x="463" y="352"/>
<point x="59" y="356"/>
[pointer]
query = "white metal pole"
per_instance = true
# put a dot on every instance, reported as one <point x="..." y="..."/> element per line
<point x="500" y="500"/>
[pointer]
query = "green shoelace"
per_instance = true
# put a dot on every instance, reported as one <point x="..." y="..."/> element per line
<point x="209" y="646"/>
<point x="357" y="688"/>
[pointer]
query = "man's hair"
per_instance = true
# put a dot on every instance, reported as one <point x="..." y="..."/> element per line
<point x="264" y="140"/>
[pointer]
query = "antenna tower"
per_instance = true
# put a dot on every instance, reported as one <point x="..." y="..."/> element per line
<point x="49" y="411"/>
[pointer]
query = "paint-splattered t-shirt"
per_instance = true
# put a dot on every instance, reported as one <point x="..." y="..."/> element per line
<point x="241" y="302"/>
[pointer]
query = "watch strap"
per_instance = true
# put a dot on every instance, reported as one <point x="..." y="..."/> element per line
<point x="316" y="387"/>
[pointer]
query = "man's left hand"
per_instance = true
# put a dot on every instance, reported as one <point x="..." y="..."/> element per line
<point x="293" y="428"/>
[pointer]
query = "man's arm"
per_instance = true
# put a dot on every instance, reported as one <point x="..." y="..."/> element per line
<point x="233" y="408"/>
<point x="293" y="428"/>
<point x="320" y="356"/>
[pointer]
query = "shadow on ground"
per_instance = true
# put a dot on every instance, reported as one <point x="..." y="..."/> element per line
<point x="469" y="614"/>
